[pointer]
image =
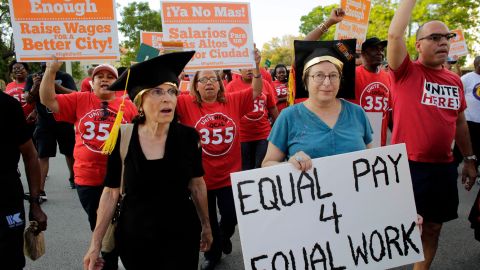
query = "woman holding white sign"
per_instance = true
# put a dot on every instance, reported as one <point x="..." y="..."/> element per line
<point x="322" y="125"/>
<point x="216" y="116"/>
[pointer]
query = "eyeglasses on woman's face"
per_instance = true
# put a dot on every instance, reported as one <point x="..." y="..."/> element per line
<point x="205" y="80"/>
<point x="158" y="92"/>
<point x="320" y="77"/>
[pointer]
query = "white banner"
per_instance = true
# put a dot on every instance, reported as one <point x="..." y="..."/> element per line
<point x="71" y="30"/>
<point x="220" y="33"/>
<point x="350" y="211"/>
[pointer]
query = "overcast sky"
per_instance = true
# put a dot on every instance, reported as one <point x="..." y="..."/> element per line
<point x="270" y="18"/>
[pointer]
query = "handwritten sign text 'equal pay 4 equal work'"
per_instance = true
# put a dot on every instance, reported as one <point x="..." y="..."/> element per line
<point x="350" y="211"/>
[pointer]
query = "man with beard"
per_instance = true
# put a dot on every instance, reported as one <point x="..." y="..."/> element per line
<point x="372" y="88"/>
<point x="280" y="83"/>
<point x="428" y="105"/>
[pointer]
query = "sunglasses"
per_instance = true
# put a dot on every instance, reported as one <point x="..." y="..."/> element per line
<point x="105" y="111"/>
<point x="438" y="37"/>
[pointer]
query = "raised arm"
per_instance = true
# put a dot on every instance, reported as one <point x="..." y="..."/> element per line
<point x="257" y="81"/>
<point x="47" y="86"/>
<point x="336" y="16"/>
<point x="396" y="47"/>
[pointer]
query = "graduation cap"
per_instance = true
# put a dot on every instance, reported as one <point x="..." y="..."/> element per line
<point x="341" y="53"/>
<point x="158" y="70"/>
<point x="152" y="72"/>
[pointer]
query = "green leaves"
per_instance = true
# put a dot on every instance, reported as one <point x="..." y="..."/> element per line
<point x="137" y="17"/>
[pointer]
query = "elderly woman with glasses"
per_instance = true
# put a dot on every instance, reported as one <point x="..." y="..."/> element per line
<point x="163" y="221"/>
<point x="93" y="114"/>
<point x="216" y="117"/>
<point x="323" y="124"/>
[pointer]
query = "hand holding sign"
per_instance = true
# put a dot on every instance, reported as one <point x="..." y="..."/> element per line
<point x="336" y="16"/>
<point x="54" y="65"/>
<point x="257" y="56"/>
<point x="301" y="161"/>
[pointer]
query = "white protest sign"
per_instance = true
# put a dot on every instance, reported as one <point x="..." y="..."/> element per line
<point x="70" y="30"/>
<point x="153" y="39"/>
<point x="220" y="33"/>
<point x="458" y="45"/>
<point x="355" y="22"/>
<point x="351" y="211"/>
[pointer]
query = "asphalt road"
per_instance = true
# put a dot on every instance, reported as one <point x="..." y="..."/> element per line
<point x="68" y="234"/>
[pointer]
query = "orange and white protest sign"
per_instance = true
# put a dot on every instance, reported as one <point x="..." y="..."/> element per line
<point x="355" y="22"/>
<point x="219" y="32"/>
<point x="458" y="46"/>
<point x="69" y="29"/>
<point x="153" y="39"/>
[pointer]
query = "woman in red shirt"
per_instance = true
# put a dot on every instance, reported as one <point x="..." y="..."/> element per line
<point x="93" y="114"/>
<point x="216" y="116"/>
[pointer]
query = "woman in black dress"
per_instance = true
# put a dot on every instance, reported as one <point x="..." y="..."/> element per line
<point x="164" y="217"/>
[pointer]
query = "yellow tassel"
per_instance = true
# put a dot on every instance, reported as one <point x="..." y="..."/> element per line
<point x="109" y="144"/>
<point x="291" y="87"/>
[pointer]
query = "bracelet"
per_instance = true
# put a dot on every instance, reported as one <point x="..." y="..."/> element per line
<point x="34" y="200"/>
<point x="257" y="76"/>
<point x="325" y="28"/>
<point x="470" y="158"/>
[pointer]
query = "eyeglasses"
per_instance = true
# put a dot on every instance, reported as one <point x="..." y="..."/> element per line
<point x="320" y="77"/>
<point x="438" y="37"/>
<point x="158" y="92"/>
<point x="105" y="111"/>
<point x="205" y="80"/>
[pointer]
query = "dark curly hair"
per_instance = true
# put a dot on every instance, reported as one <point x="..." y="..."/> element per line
<point x="25" y="65"/>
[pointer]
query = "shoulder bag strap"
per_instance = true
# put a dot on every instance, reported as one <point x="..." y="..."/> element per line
<point x="126" y="134"/>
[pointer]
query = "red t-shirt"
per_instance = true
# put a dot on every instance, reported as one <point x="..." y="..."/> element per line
<point x="255" y="125"/>
<point x="16" y="90"/>
<point x="266" y="75"/>
<point x="218" y="126"/>
<point x="281" y="90"/>
<point x="92" y="128"/>
<point x="372" y="93"/>
<point x="85" y="86"/>
<point x="426" y="104"/>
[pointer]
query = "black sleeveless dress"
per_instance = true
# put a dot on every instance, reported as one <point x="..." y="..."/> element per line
<point x="158" y="227"/>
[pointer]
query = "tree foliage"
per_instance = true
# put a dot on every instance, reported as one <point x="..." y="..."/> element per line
<point x="279" y="50"/>
<point x="6" y="40"/>
<point x="137" y="17"/>
<point x="462" y="14"/>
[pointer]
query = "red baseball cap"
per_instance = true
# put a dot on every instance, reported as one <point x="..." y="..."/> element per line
<point x="106" y="67"/>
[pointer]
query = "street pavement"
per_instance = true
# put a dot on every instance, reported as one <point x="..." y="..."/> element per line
<point x="68" y="234"/>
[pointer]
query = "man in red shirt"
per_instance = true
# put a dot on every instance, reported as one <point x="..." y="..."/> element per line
<point x="255" y="126"/>
<point x="428" y="104"/>
<point x="372" y="88"/>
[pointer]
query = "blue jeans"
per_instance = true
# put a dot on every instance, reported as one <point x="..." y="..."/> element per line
<point x="253" y="153"/>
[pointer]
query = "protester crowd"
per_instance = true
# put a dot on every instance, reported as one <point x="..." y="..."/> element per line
<point x="174" y="172"/>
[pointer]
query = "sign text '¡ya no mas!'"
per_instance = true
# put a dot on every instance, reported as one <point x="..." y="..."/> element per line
<point x="36" y="6"/>
<point x="205" y="12"/>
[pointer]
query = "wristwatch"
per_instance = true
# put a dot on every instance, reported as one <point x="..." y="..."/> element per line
<point x="35" y="200"/>
<point x="468" y="158"/>
<point x="258" y="76"/>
